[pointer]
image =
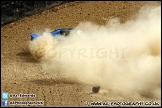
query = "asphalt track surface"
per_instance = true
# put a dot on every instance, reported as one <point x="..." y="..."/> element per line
<point x="22" y="74"/>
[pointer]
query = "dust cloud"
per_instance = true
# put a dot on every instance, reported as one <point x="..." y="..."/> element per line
<point x="122" y="57"/>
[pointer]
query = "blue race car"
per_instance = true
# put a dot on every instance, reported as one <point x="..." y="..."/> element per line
<point x="62" y="31"/>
